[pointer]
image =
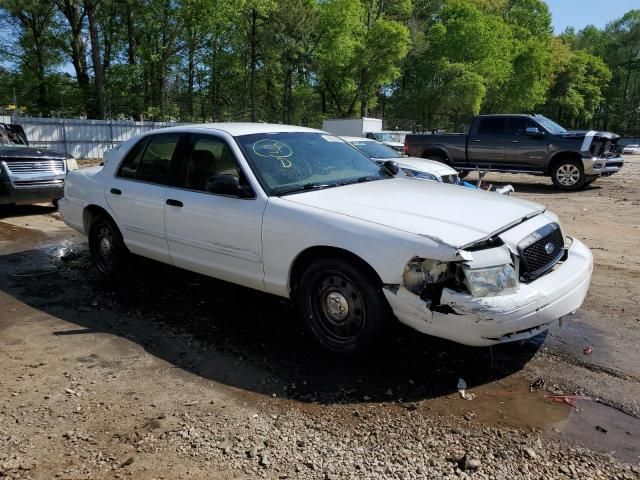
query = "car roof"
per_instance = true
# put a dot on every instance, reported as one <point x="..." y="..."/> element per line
<point x="236" y="129"/>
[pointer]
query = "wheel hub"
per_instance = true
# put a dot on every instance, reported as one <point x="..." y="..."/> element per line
<point x="337" y="306"/>
<point x="568" y="175"/>
<point x="105" y="246"/>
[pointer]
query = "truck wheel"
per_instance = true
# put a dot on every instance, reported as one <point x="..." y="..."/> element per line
<point x="107" y="248"/>
<point x="344" y="310"/>
<point x="568" y="175"/>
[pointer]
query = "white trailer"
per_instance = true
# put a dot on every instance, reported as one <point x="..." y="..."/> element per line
<point x="352" y="127"/>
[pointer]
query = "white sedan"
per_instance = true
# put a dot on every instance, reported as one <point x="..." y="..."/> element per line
<point x="301" y="214"/>
<point x="631" y="150"/>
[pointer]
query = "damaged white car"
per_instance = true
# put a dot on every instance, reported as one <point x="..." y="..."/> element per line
<point x="301" y="214"/>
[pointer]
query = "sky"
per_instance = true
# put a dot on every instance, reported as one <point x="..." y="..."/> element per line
<point x="580" y="13"/>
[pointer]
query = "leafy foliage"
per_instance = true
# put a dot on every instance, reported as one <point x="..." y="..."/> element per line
<point x="422" y="64"/>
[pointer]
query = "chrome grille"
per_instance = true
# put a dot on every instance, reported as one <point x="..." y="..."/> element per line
<point x="39" y="183"/>
<point x="540" y="251"/>
<point x="36" y="166"/>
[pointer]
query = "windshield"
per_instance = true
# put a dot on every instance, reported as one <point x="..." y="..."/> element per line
<point x="550" y="125"/>
<point x="389" y="137"/>
<point x="376" y="150"/>
<point x="292" y="162"/>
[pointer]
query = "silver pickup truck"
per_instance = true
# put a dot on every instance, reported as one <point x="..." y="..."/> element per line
<point x="27" y="174"/>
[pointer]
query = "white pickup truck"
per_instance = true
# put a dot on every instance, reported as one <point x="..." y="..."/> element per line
<point x="299" y="213"/>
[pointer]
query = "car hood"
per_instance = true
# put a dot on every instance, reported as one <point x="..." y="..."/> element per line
<point x="422" y="164"/>
<point x="449" y="214"/>
<point x="579" y="134"/>
<point x="21" y="152"/>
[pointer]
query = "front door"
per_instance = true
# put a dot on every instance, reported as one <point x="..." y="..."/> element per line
<point x="211" y="231"/>
<point x="137" y="195"/>
<point x="525" y="152"/>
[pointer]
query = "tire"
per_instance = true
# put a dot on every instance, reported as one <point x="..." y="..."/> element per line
<point x="344" y="309"/>
<point x="568" y="175"/>
<point x="108" y="251"/>
<point x="55" y="202"/>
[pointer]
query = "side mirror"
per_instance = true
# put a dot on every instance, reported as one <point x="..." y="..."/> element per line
<point x="225" y="184"/>
<point x="391" y="167"/>
<point x="534" y="132"/>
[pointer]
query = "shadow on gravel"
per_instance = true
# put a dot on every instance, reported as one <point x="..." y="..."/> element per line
<point x="240" y="337"/>
<point x="7" y="211"/>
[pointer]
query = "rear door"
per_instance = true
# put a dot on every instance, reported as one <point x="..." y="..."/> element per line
<point x="525" y="152"/>
<point x="137" y="194"/>
<point x="487" y="142"/>
<point x="213" y="233"/>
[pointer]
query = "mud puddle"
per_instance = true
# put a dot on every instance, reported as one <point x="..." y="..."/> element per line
<point x="510" y="403"/>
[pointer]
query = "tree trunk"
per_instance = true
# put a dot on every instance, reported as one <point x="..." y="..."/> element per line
<point x="98" y="74"/>
<point x="253" y="40"/>
<point x="131" y="36"/>
<point x="191" y="53"/>
<point x="42" y="102"/>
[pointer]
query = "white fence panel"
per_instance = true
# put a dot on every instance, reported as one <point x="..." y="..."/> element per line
<point x="78" y="137"/>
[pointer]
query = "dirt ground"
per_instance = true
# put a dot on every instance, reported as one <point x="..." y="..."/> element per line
<point x="168" y="374"/>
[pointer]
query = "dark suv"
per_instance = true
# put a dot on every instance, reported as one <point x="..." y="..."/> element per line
<point x="28" y="174"/>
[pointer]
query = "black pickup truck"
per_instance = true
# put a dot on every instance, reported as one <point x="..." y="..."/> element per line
<point x="524" y="144"/>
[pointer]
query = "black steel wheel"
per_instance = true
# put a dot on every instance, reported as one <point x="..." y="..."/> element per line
<point x="344" y="309"/>
<point x="107" y="248"/>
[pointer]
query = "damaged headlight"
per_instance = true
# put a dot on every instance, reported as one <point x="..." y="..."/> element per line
<point x="421" y="273"/>
<point x="489" y="282"/>
<point x="72" y="164"/>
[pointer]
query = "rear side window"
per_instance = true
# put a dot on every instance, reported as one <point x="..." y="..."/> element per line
<point x="150" y="160"/>
<point x="492" y="126"/>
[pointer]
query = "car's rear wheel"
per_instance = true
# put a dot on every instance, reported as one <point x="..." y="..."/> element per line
<point x="568" y="175"/>
<point x="107" y="248"/>
<point x="343" y="306"/>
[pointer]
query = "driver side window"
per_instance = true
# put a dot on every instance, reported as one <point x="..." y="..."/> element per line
<point x="209" y="159"/>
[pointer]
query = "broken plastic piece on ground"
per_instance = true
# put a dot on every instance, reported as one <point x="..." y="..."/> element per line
<point x="538" y="384"/>
<point x="601" y="429"/>
<point x="588" y="350"/>
<point x="505" y="190"/>
<point x="462" y="386"/>
<point x="566" y="399"/>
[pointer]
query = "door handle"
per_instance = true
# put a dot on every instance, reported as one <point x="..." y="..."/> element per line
<point x="174" y="203"/>
<point x="116" y="191"/>
<point x="514" y="141"/>
<point x="476" y="140"/>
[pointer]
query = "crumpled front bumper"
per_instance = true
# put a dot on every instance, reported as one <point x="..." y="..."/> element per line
<point x="602" y="166"/>
<point x="486" y="321"/>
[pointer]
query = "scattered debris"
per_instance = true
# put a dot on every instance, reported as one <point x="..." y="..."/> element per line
<point x="601" y="429"/>
<point x="537" y="385"/>
<point x="127" y="462"/>
<point x="530" y="453"/>
<point x="588" y="350"/>
<point x="462" y="386"/>
<point x="566" y="399"/>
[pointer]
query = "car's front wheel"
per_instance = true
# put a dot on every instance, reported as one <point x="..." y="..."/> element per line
<point x="343" y="306"/>
<point x="107" y="248"/>
<point x="568" y="175"/>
